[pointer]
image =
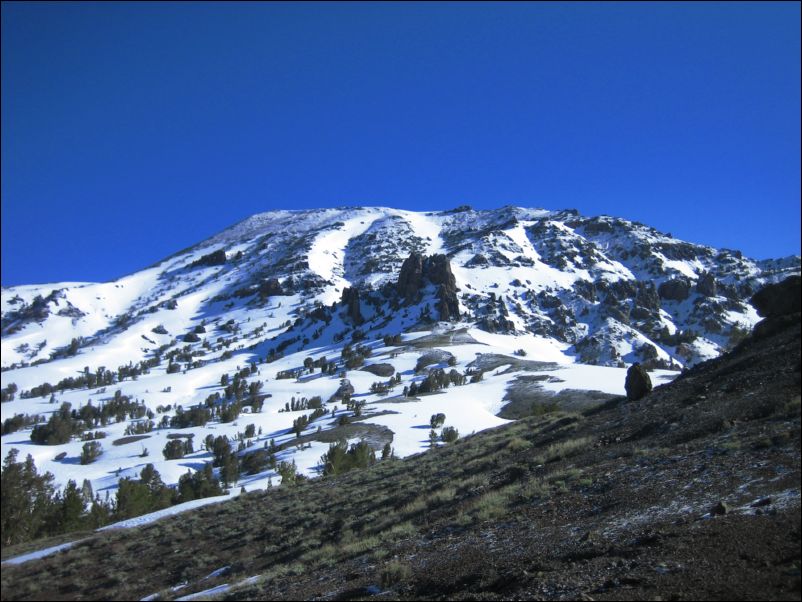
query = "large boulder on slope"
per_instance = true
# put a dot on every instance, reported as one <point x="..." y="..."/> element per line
<point x="638" y="384"/>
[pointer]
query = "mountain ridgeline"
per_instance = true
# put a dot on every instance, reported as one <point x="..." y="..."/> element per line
<point x="611" y="292"/>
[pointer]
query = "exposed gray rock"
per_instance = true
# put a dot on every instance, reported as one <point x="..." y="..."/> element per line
<point x="384" y="370"/>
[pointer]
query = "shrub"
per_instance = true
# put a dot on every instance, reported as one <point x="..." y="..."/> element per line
<point x="177" y="449"/>
<point x="394" y="573"/>
<point x="91" y="452"/>
<point x="437" y="420"/>
<point x="340" y="458"/>
<point x="450" y="434"/>
<point x="255" y="462"/>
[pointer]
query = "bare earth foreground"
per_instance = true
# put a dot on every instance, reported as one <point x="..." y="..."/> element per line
<point x="690" y="493"/>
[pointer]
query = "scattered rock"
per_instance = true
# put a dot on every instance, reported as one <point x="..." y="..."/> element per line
<point x="638" y="384"/>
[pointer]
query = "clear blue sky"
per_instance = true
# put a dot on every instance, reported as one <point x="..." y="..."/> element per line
<point x="130" y="131"/>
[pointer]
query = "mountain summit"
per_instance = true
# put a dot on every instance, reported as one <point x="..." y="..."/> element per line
<point x="606" y="291"/>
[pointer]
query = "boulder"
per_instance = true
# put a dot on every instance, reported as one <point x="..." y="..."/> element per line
<point x="779" y="304"/>
<point x="384" y="370"/>
<point x="638" y="384"/>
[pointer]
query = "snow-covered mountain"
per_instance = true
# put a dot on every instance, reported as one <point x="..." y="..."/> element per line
<point x="349" y="288"/>
<point x="605" y="289"/>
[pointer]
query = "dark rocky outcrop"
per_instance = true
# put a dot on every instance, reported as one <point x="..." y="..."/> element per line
<point x="437" y="269"/>
<point x="211" y="259"/>
<point x="647" y="296"/>
<point x="495" y="324"/>
<point x="477" y="260"/>
<point x="780" y="305"/>
<point x="638" y="384"/>
<point x="779" y="299"/>
<point x="675" y="289"/>
<point x="411" y="277"/>
<point x="447" y="304"/>
<point x="350" y="298"/>
<point x="706" y="285"/>
<point x="586" y="289"/>
<point x="270" y="288"/>
<point x="417" y="271"/>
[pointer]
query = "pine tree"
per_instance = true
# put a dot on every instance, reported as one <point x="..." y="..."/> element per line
<point x="72" y="507"/>
<point x="26" y="499"/>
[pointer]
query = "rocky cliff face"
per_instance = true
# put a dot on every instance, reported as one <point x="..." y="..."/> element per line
<point x="417" y="272"/>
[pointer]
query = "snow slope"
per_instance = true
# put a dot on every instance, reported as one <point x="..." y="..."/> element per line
<point x="552" y="285"/>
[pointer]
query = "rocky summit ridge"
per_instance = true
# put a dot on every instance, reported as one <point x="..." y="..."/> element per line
<point x="610" y="291"/>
